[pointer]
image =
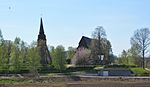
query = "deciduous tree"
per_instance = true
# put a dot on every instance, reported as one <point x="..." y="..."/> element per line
<point x="70" y="54"/>
<point x="141" y="39"/>
<point x="59" y="58"/>
<point x="100" y="46"/>
<point x="34" y="61"/>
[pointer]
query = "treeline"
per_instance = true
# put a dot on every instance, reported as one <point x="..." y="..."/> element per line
<point x="17" y="56"/>
<point x="139" y="53"/>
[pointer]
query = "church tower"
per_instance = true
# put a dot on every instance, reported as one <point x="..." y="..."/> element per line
<point x="42" y="46"/>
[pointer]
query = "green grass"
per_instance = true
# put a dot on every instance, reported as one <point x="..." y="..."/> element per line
<point x="98" y="68"/>
<point x="53" y="74"/>
<point x="65" y="73"/>
<point x="26" y="81"/>
<point x="11" y="81"/>
<point x="140" y="72"/>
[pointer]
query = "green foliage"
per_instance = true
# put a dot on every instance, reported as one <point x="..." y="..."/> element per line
<point x="16" y="60"/>
<point x="10" y="81"/>
<point x="119" y="66"/>
<point x="14" y="57"/>
<point x="81" y="68"/>
<point x="5" y="50"/>
<point x="70" y="54"/>
<point x="126" y="58"/>
<point x="59" y="58"/>
<point x="34" y="61"/>
<point x="140" y="71"/>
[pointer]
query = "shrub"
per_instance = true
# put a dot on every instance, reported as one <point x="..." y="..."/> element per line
<point x="120" y="66"/>
<point x="81" y="68"/>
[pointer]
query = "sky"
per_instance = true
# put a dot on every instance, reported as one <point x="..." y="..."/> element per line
<point x="66" y="21"/>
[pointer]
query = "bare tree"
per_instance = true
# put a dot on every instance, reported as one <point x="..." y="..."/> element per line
<point x="100" y="46"/>
<point x="141" y="38"/>
<point x="98" y="34"/>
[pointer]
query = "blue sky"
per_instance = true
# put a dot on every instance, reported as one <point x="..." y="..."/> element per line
<point x="66" y="21"/>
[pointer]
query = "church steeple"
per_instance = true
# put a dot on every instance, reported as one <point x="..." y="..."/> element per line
<point x="41" y="35"/>
<point x="41" y="27"/>
<point x="42" y="46"/>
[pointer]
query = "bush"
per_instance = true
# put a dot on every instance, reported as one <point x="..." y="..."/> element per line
<point x="9" y="71"/>
<point x="80" y="68"/>
<point x="120" y="66"/>
<point x="49" y="69"/>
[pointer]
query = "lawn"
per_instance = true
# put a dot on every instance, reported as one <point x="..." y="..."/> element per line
<point x="140" y="71"/>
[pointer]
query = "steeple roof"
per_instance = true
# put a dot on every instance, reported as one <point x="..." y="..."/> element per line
<point x="41" y="35"/>
<point x="41" y="27"/>
<point x="85" y="42"/>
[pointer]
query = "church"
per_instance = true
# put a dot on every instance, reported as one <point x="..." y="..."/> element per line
<point x="87" y="52"/>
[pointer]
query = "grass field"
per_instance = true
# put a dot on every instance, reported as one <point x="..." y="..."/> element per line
<point x="78" y="78"/>
<point x="83" y="84"/>
<point x="67" y="82"/>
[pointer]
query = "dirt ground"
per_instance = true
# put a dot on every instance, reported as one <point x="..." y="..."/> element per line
<point x="84" y="84"/>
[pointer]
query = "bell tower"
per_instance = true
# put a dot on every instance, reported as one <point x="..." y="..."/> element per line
<point x="42" y="46"/>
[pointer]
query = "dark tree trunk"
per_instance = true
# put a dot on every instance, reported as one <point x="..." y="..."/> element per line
<point x="143" y="64"/>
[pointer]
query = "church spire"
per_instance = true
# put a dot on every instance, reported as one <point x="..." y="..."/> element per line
<point x="45" y="57"/>
<point x="41" y="35"/>
<point x="41" y="27"/>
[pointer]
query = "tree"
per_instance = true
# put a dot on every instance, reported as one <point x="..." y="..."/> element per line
<point x="23" y="55"/>
<point x="1" y="38"/>
<point x="106" y="50"/>
<point x="126" y="58"/>
<point x="70" y="54"/>
<point x="16" y="60"/>
<point x="113" y="58"/>
<point x="34" y="61"/>
<point x="5" y="51"/>
<point x="123" y="59"/>
<point x="141" y="39"/>
<point x="52" y="51"/>
<point x="59" y="58"/>
<point x="135" y="52"/>
<point x="97" y="35"/>
<point x="100" y="46"/>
